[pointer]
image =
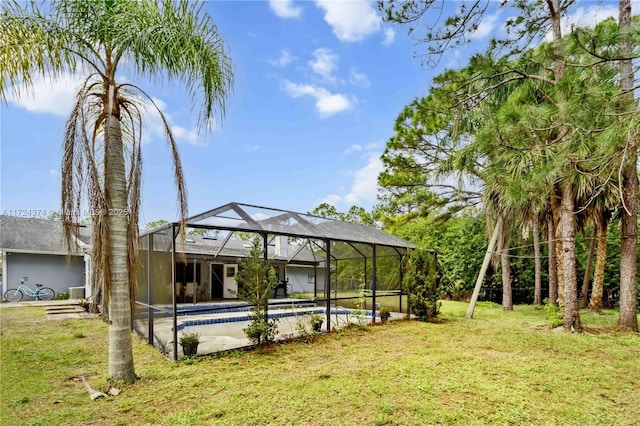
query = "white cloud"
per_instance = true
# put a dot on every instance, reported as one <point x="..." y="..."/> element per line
<point x="586" y="17"/>
<point x="285" y="9"/>
<point x="325" y="63"/>
<point x="389" y="36"/>
<point x="331" y="199"/>
<point x="49" y="97"/>
<point x="252" y="148"/>
<point x="364" y="189"/>
<point x="54" y="172"/>
<point x="285" y="59"/>
<point x="359" y="79"/>
<point x="590" y="16"/>
<point x="183" y="134"/>
<point x="155" y="127"/>
<point x="351" y="20"/>
<point x="486" y="27"/>
<point x="352" y="149"/>
<point x="327" y="103"/>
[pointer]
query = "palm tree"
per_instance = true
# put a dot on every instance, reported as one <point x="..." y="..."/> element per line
<point x="629" y="227"/>
<point x="160" y="39"/>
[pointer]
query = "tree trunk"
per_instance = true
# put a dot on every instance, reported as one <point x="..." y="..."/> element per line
<point x="629" y="227"/>
<point x="507" y="299"/>
<point x="120" y="349"/>
<point x="553" y="264"/>
<point x="628" y="255"/>
<point x="557" y="213"/>
<point x="584" y="293"/>
<point x="505" y="266"/>
<point x="537" y="292"/>
<point x="561" y="275"/>
<point x="568" y="228"/>
<point x="601" y="263"/>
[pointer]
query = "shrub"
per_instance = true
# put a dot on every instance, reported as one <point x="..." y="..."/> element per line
<point x="553" y="313"/>
<point x="421" y="283"/>
<point x="256" y="282"/>
<point x="385" y="313"/>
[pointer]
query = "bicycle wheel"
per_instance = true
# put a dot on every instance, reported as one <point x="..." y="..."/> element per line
<point x="13" y="295"/>
<point x="46" y="293"/>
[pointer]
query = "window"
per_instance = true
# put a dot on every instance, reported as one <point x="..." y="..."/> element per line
<point x="184" y="272"/>
<point x="231" y="271"/>
<point x="311" y="278"/>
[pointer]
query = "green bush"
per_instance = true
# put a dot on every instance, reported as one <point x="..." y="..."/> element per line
<point x="421" y="283"/>
<point x="256" y="283"/>
<point x="553" y="313"/>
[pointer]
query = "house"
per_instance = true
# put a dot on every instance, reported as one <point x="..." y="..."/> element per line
<point x="36" y="249"/>
<point x="211" y="263"/>
<point x="217" y="261"/>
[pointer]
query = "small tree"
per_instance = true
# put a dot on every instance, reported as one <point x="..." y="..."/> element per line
<point x="256" y="282"/>
<point x="421" y="283"/>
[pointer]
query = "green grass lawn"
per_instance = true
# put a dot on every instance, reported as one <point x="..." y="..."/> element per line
<point x="500" y="368"/>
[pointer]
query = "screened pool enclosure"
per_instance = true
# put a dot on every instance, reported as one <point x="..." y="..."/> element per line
<point x="186" y="283"/>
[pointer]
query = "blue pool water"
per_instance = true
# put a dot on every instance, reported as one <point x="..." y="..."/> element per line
<point x="220" y="308"/>
<point x="280" y="314"/>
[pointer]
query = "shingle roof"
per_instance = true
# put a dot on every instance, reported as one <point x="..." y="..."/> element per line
<point x="197" y="244"/>
<point x="21" y="234"/>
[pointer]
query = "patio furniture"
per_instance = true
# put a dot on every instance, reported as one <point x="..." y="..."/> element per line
<point x="190" y="292"/>
<point x="179" y="291"/>
<point x="281" y="289"/>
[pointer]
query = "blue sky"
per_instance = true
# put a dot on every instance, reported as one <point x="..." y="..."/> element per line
<point x="318" y="86"/>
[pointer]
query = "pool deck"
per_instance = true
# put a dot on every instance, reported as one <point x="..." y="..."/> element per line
<point x="227" y="333"/>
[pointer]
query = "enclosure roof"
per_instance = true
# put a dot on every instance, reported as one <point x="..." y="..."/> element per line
<point x="251" y="218"/>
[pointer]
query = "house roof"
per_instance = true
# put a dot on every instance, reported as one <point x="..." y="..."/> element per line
<point x="232" y="247"/>
<point x="39" y="236"/>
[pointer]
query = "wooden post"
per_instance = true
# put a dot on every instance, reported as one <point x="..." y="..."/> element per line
<point x="483" y="269"/>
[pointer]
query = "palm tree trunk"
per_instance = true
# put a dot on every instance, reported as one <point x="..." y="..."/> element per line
<point x="553" y="263"/>
<point x="507" y="298"/>
<point x="561" y="274"/>
<point x="568" y="228"/>
<point x="120" y="350"/>
<point x="505" y="266"/>
<point x="537" y="292"/>
<point x="628" y="255"/>
<point x="557" y="213"/>
<point x="601" y="263"/>
<point x="629" y="227"/>
<point x="584" y="293"/>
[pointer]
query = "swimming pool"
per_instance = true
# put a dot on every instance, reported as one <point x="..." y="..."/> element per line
<point x="273" y="313"/>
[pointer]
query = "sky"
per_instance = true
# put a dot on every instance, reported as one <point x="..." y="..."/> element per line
<point x="318" y="86"/>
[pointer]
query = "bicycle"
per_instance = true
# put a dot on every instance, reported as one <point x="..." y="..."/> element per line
<point x="40" y="293"/>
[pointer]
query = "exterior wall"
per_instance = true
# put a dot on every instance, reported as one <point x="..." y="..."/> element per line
<point x="301" y="278"/>
<point x="57" y="272"/>
<point x="229" y="283"/>
<point x="4" y="274"/>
